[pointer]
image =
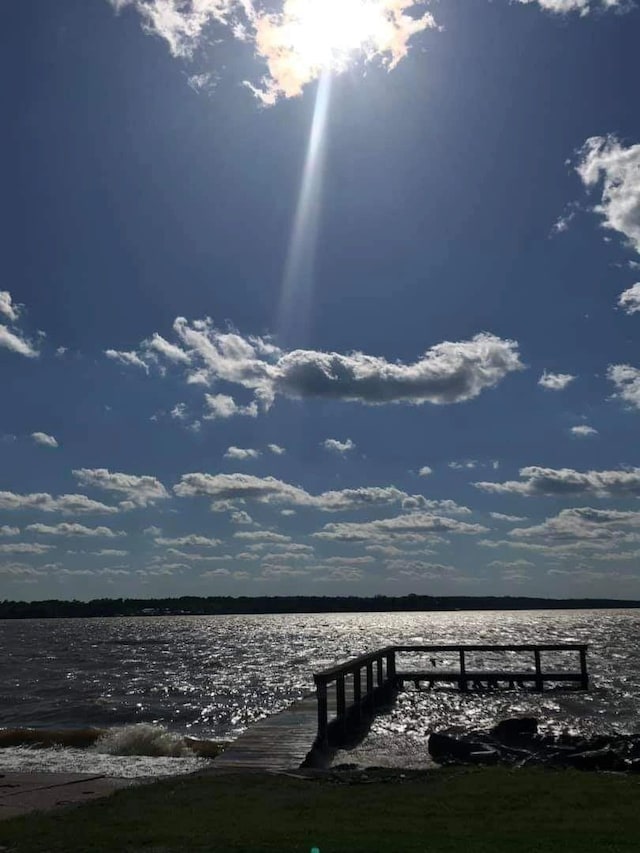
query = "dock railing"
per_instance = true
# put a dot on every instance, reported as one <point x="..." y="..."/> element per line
<point x="360" y="685"/>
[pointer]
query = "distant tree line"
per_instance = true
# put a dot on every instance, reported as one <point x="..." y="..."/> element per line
<point x="221" y="605"/>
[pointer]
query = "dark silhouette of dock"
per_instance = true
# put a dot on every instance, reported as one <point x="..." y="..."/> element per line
<point x="348" y="695"/>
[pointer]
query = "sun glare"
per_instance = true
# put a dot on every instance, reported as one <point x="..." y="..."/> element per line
<point x="325" y="33"/>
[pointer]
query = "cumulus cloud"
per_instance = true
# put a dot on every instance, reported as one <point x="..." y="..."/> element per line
<point x="585" y="527"/>
<point x="425" y="471"/>
<point x="5" y="530"/>
<point x="25" y="548"/>
<point x="583" y="431"/>
<point x="194" y="539"/>
<point x="263" y="536"/>
<point x="43" y="439"/>
<point x="12" y="337"/>
<point x="241" y="453"/>
<point x="223" y="489"/>
<point x="66" y="504"/>
<point x="629" y="299"/>
<point x="135" y="491"/>
<point x="449" y="372"/>
<point x="606" y="163"/>
<point x="415" y="526"/>
<point x="275" y="448"/>
<point x="127" y="359"/>
<point x="555" y="381"/>
<point x="626" y="380"/>
<point x="560" y="482"/>
<point x="582" y="7"/>
<point x="341" y="448"/>
<point x="500" y="516"/>
<point x="220" y="406"/>
<point x="8" y="307"/>
<point x="73" y="529"/>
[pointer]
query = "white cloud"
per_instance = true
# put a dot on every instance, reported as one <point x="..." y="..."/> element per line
<point x="605" y="162"/>
<point x="583" y="431"/>
<point x="449" y="372"/>
<point x="73" y="529"/>
<point x="5" y="530"/>
<point x="333" y="445"/>
<point x="415" y="526"/>
<point x="500" y="516"/>
<point x="583" y="526"/>
<point x="425" y="471"/>
<point x="239" y="516"/>
<point x="627" y="383"/>
<point x="136" y="491"/>
<point x="44" y="439"/>
<point x="275" y="448"/>
<point x="8" y="306"/>
<point x="157" y="345"/>
<point x="555" y="381"/>
<point x="241" y="453"/>
<point x="559" y="482"/>
<point x="25" y="548"/>
<point x="225" y="488"/>
<point x="262" y="536"/>
<point x="583" y="7"/>
<point x="193" y="539"/>
<point x="221" y="406"/>
<point x="16" y="343"/>
<point x="110" y="552"/>
<point x="128" y="359"/>
<point x="66" y="504"/>
<point x="629" y="299"/>
<point x="467" y="465"/>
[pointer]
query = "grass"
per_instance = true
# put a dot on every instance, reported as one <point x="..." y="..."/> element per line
<point x="492" y="809"/>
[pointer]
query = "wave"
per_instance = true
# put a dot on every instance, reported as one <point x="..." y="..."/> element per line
<point x="142" y="739"/>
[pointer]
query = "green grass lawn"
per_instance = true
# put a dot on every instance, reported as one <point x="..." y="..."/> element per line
<point x="458" y="810"/>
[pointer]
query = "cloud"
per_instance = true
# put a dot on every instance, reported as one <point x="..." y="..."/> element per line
<point x="16" y="343"/>
<point x="5" y="530"/>
<point x="449" y="372"/>
<point x="583" y="7"/>
<point x="606" y="163"/>
<point x="192" y="539"/>
<point x="262" y="535"/>
<point x="73" y="529"/>
<point x="221" y="406"/>
<point x="585" y="527"/>
<point x="128" y="359"/>
<point x="136" y="491"/>
<point x="500" y="516"/>
<point x="44" y="439"/>
<point x="25" y="548"/>
<point x="583" y="431"/>
<point x="561" y="482"/>
<point x="66" y="504"/>
<point x="415" y="526"/>
<point x="627" y="382"/>
<point x="275" y="448"/>
<point x="8" y="307"/>
<point x="425" y="471"/>
<point x="241" y="453"/>
<point x="555" y="381"/>
<point x="233" y="487"/>
<point x="629" y="299"/>
<point x="110" y="552"/>
<point x="341" y="448"/>
<point x="296" y="43"/>
<point x="239" y="516"/>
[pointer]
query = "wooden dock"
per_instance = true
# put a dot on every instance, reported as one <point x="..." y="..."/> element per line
<point x="348" y="695"/>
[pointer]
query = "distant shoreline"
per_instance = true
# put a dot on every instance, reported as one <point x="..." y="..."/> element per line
<point x="273" y="605"/>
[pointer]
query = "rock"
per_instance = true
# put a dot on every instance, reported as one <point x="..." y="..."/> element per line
<point x="515" y="727"/>
<point x="346" y="766"/>
<point x="596" y="759"/>
<point x="445" y="748"/>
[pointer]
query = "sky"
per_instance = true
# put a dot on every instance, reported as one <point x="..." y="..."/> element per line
<point x="329" y="297"/>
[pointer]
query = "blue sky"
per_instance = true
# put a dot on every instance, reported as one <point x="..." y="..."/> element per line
<point x="285" y="314"/>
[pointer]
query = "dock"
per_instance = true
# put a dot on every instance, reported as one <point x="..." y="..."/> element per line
<point x="348" y="695"/>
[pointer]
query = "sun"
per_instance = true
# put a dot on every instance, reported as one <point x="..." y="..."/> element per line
<point x="326" y="33"/>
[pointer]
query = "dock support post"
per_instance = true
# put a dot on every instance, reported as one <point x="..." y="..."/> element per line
<point x="341" y="705"/>
<point x="463" y="672"/>
<point x="357" y="692"/>
<point x="379" y="678"/>
<point x="370" y="694"/>
<point x="584" y="677"/>
<point x="539" y="682"/>
<point x="323" y="734"/>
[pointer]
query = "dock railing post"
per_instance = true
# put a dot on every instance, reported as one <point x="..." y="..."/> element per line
<point x="321" y="694"/>
<point x="379" y="678"/>
<point x="391" y="666"/>
<point x="539" y="682"/>
<point x="584" y="677"/>
<point x="463" y="672"/>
